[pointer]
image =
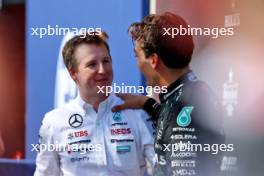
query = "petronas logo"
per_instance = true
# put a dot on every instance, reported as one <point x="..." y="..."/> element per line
<point x="117" y="117"/>
<point x="184" y="117"/>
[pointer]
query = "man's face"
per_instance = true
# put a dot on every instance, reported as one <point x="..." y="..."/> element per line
<point x="144" y="65"/>
<point x="94" y="68"/>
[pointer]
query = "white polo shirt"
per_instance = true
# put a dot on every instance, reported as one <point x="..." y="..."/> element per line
<point x="94" y="144"/>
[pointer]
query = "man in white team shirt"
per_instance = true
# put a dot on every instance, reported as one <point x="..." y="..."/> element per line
<point x="89" y="138"/>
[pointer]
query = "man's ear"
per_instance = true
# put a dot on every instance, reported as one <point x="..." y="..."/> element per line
<point x="154" y="60"/>
<point x="73" y="74"/>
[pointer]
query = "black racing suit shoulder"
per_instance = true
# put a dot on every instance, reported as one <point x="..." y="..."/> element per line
<point x="205" y="128"/>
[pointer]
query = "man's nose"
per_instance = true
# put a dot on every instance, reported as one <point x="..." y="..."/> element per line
<point x="101" y="68"/>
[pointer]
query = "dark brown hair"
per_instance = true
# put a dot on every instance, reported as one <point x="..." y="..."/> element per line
<point x="176" y="51"/>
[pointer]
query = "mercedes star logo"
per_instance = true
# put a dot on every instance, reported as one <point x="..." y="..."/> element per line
<point x="75" y="120"/>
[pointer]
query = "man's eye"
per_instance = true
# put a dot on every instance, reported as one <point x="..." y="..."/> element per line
<point x="91" y="65"/>
<point x="106" y="61"/>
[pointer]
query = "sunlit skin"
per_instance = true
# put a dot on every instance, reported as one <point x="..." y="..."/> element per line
<point x="93" y="69"/>
<point x="146" y="65"/>
<point x="154" y="70"/>
<point x="156" y="74"/>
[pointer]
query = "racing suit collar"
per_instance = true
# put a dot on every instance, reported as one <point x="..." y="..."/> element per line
<point x="189" y="76"/>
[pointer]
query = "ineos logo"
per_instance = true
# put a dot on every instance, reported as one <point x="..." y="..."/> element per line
<point x="75" y="120"/>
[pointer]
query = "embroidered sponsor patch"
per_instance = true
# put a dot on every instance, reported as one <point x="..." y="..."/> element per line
<point x="123" y="148"/>
<point x="184" y="117"/>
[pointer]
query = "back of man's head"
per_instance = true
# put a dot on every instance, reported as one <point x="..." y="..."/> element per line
<point x="156" y="34"/>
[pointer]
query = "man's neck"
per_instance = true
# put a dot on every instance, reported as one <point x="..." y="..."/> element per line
<point x="169" y="76"/>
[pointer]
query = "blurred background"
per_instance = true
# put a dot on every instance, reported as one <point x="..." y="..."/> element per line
<point x="30" y="67"/>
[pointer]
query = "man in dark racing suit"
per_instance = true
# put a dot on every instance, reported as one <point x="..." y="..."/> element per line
<point x="189" y="114"/>
<point x="189" y="138"/>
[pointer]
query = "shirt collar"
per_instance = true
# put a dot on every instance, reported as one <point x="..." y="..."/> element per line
<point x="104" y="105"/>
<point x="187" y="77"/>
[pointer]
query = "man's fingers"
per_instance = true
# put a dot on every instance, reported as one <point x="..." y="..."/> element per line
<point x="118" y="108"/>
<point x="123" y="96"/>
<point x="130" y="102"/>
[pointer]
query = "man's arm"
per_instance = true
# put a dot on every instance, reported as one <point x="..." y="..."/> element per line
<point x="132" y="101"/>
<point x="152" y="107"/>
<point x="47" y="162"/>
<point x="147" y="132"/>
